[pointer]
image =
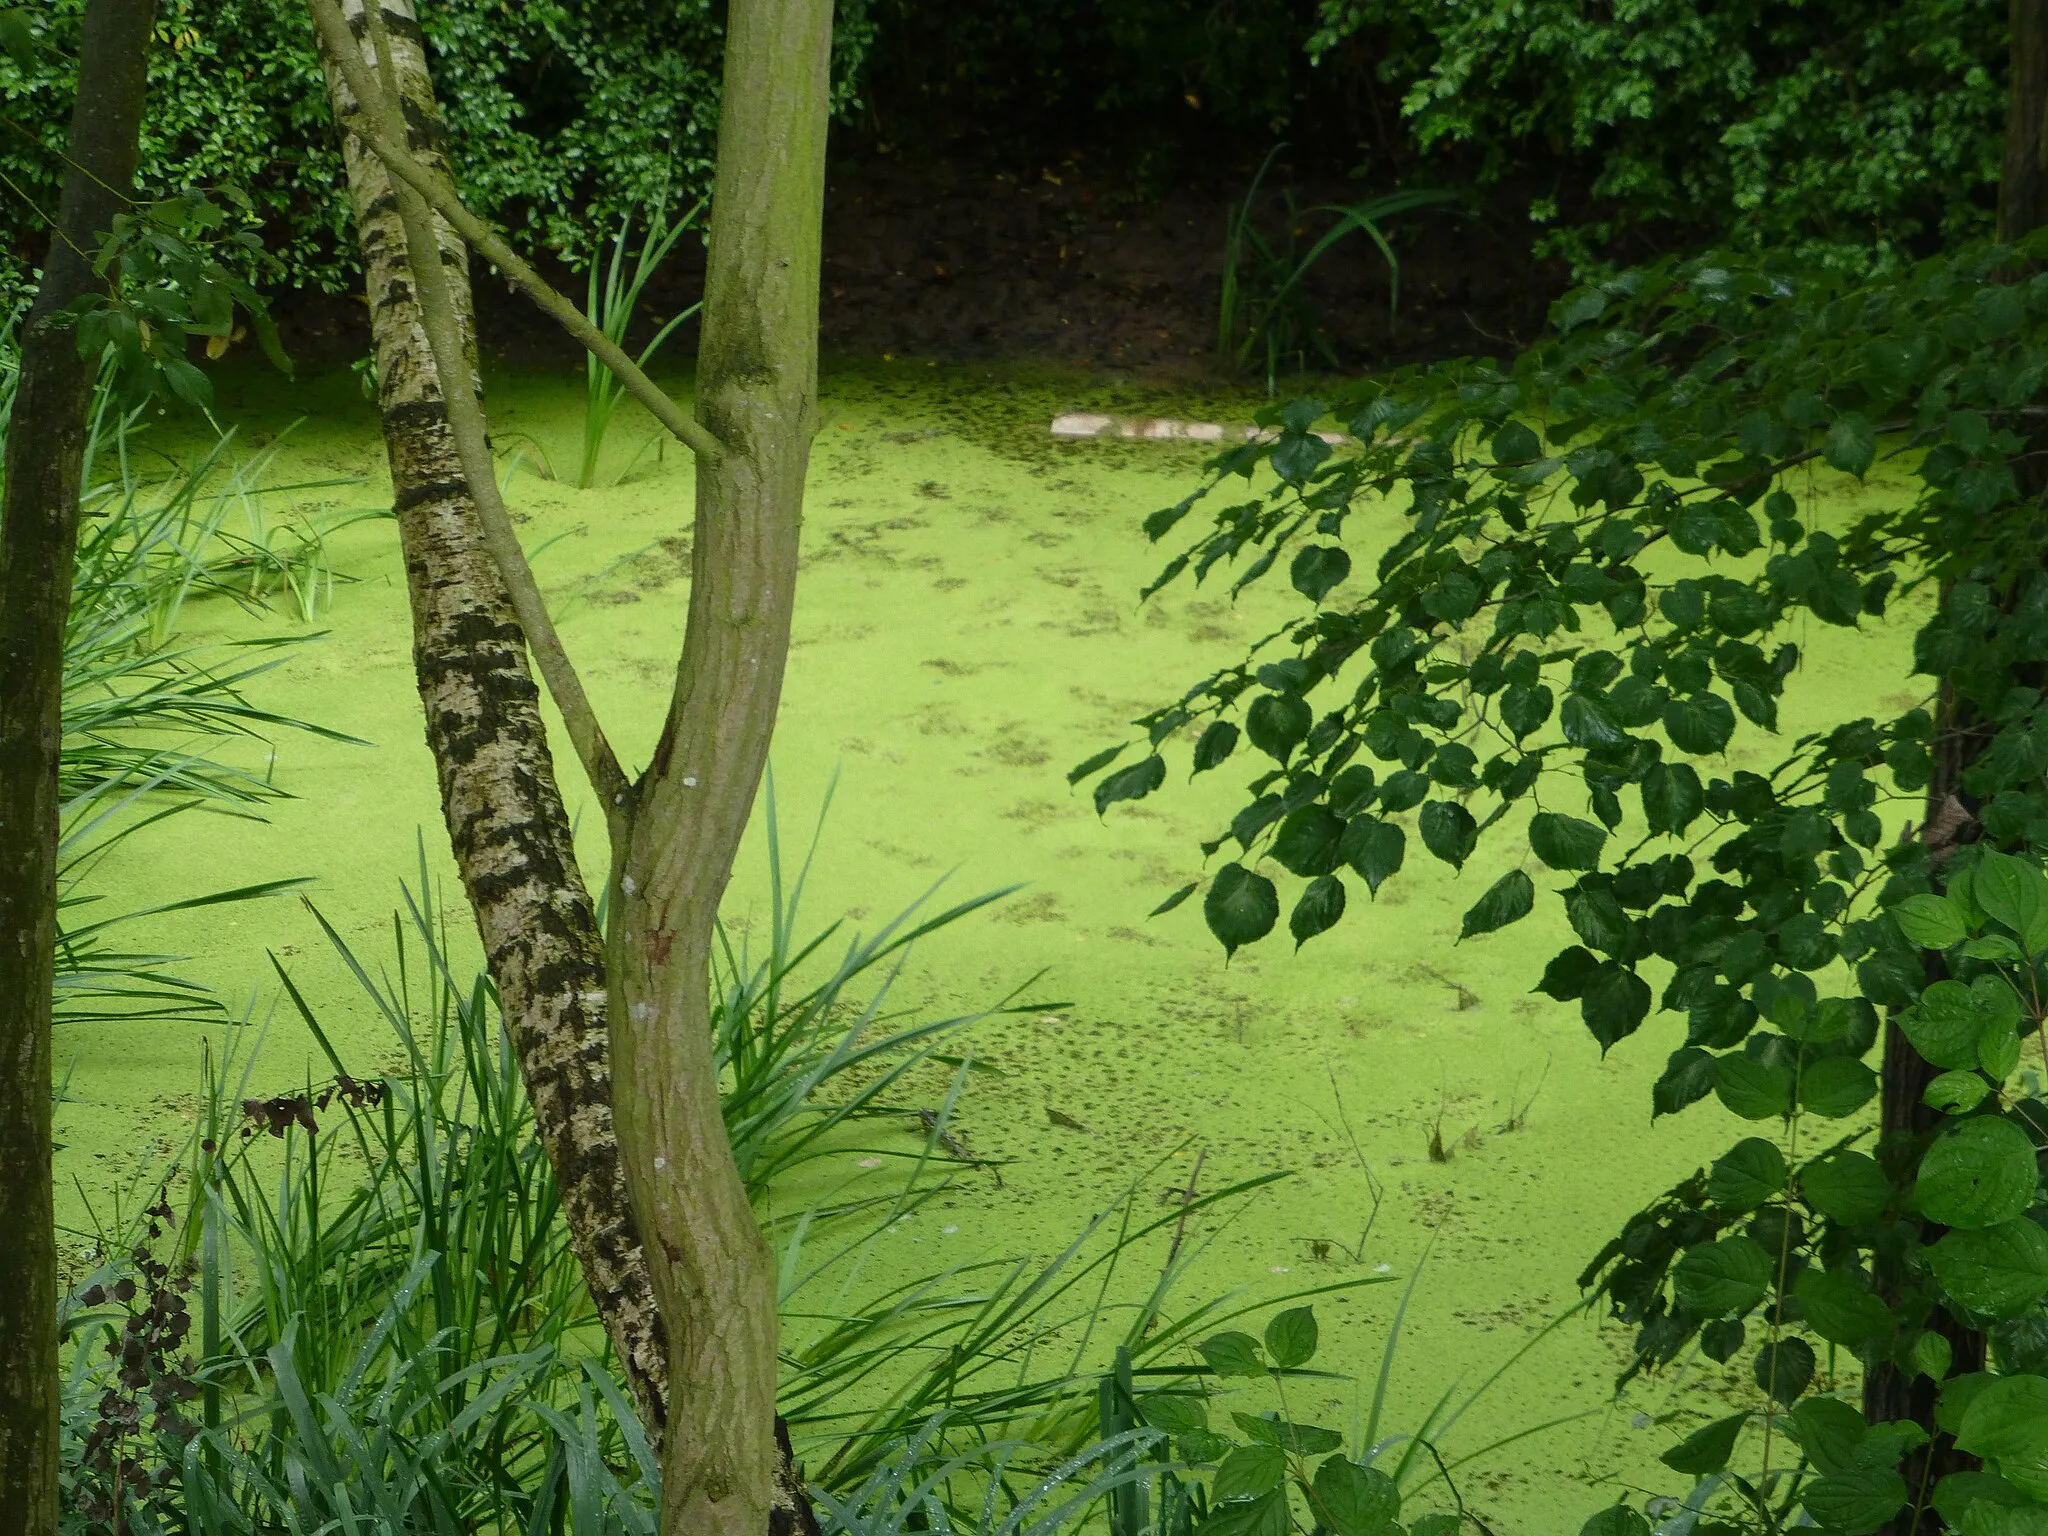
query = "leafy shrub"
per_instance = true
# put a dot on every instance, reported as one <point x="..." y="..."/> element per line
<point x="565" y="115"/>
<point x="1857" y="135"/>
<point x="1629" y="511"/>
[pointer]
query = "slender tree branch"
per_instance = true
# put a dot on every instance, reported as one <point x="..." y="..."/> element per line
<point x="387" y="142"/>
<point x="378" y="96"/>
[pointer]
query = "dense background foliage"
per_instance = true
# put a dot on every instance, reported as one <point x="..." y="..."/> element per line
<point x="1858" y="135"/>
<point x="567" y="112"/>
<point x="1853" y="133"/>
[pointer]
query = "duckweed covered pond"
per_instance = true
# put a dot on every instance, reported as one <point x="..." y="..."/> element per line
<point x="966" y="630"/>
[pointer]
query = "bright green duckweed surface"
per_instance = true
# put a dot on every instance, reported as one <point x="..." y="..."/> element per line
<point x="966" y="630"/>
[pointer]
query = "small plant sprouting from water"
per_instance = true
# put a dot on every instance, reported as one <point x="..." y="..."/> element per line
<point x="614" y="295"/>
<point x="1263" y="313"/>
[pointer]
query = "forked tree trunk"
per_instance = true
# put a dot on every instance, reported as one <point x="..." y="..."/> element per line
<point x="726" y="1458"/>
<point x="38" y="541"/>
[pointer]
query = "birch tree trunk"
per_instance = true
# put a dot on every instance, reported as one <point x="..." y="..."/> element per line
<point x="506" y="824"/>
<point x="38" y="541"/>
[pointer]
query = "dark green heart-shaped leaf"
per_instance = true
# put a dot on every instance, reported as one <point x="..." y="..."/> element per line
<point x="1747" y="1174"/>
<point x="1241" y="907"/>
<point x="1700" y="724"/>
<point x="1978" y="1173"/>
<point x="1277" y="723"/>
<point x="1706" y="1450"/>
<point x="1784" y="1368"/>
<point x="1318" y="909"/>
<point x="1374" y="848"/>
<point x="1317" y="569"/>
<point x="1448" y="831"/>
<point x="1566" y="842"/>
<point x="1509" y="899"/>
<point x="1307" y="841"/>
<point x="1999" y="1271"/>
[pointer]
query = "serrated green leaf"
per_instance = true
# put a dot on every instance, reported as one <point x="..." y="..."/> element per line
<point x="1703" y="1452"/>
<point x="1508" y="900"/>
<point x="1932" y="922"/>
<point x="1351" y="1500"/>
<point x="1232" y="1354"/>
<point x="1249" y="1471"/>
<point x="1178" y="1413"/>
<point x="1999" y="1271"/>
<point x="2015" y="893"/>
<point x="1731" y="1275"/>
<point x="1842" y="1311"/>
<point x="1846" y="1187"/>
<point x="1291" y="1337"/>
<point x="1752" y="1089"/>
<point x="1132" y="783"/>
<point x="2007" y="1420"/>
<point x="1836" y="1087"/>
<point x="1956" y="1093"/>
<point x="1979" y="1173"/>
<point x="1856" y="1501"/>
<point x="1747" y="1175"/>
<point x="1241" y="907"/>
<point x="1566" y="842"/>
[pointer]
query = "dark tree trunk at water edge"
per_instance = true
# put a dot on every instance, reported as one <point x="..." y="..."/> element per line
<point x="38" y="539"/>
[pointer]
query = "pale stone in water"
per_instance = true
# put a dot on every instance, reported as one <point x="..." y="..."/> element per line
<point x="1081" y="424"/>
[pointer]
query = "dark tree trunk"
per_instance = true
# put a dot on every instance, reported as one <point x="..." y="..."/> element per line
<point x="2023" y="178"/>
<point x="38" y="538"/>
